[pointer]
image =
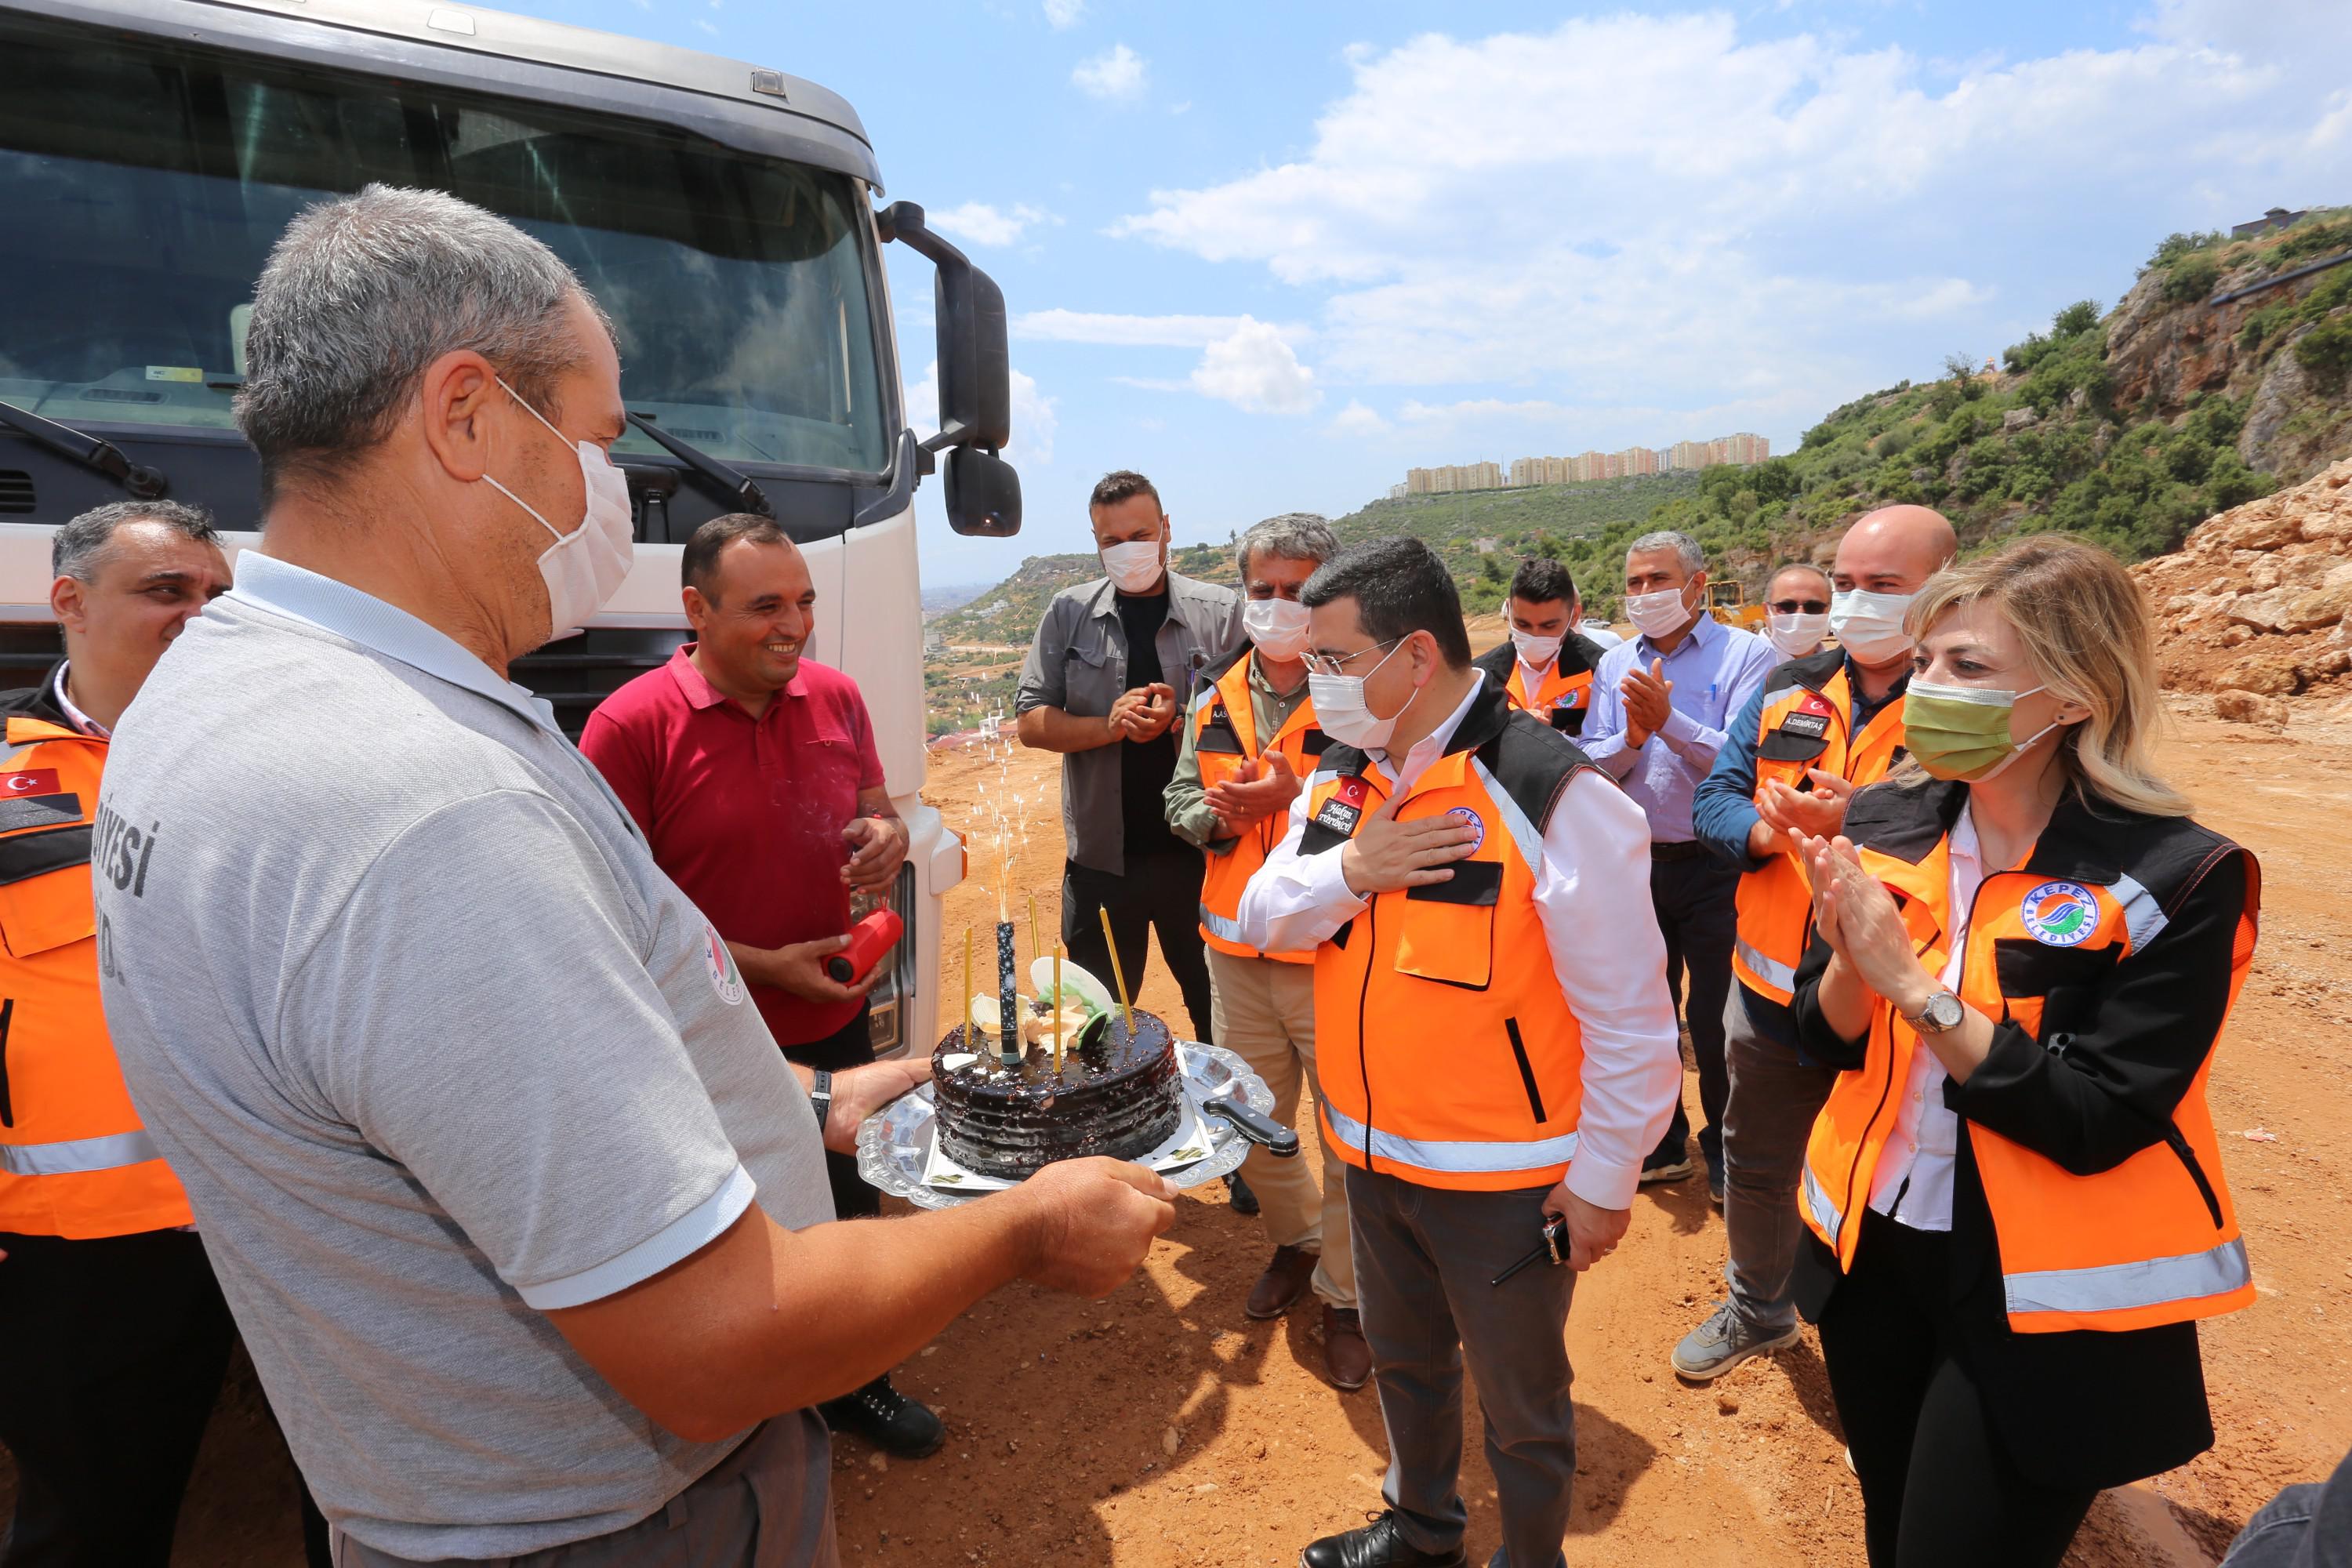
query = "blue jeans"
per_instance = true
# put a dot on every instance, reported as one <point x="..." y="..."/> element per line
<point x="1775" y="1096"/>
<point x="2309" y="1526"/>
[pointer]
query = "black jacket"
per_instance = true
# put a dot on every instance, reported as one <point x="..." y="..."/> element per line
<point x="2085" y="1407"/>
<point x="38" y="701"/>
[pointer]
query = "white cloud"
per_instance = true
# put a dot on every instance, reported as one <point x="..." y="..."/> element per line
<point x="1139" y="332"/>
<point x="1034" y="416"/>
<point x="1253" y="369"/>
<point x="1062" y="13"/>
<point x="1117" y="73"/>
<point x="1669" y="213"/>
<point x="1356" y="420"/>
<point x="982" y="223"/>
<point x="704" y="23"/>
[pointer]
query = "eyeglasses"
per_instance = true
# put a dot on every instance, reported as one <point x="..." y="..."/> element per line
<point x="1799" y="607"/>
<point x="1325" y="664"/>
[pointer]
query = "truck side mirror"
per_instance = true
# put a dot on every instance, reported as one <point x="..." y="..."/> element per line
<point x="983" y="494"/>
<point x="975" y="371"/>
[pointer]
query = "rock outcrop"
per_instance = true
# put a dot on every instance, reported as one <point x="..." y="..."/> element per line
<point x="2253" y="607"/>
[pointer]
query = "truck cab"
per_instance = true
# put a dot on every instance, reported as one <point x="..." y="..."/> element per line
<point x="724" y="214"/>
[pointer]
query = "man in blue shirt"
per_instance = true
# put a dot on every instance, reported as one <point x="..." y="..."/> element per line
<point x="1850" y="697"/>
<point x="1659" y="707"/>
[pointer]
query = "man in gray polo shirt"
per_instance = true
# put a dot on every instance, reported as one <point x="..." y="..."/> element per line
<point x="521" y="1214"/>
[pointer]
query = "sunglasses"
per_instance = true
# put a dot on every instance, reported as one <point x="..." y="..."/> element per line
<point x="1799" y="607"/>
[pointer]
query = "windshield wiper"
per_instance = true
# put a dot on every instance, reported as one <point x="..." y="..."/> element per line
<point x="102" y="457"/>
<point x="734" y="484"/>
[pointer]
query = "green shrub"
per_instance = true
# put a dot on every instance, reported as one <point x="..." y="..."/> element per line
<point x="2326" y="350"/>
<point x="2075" y="320"/>
<point x="2192" y="277"/>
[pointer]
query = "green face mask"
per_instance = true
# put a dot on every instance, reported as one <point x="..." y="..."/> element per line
<point x="1962" y="731"/>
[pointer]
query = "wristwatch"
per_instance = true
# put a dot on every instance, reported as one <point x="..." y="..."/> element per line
<point x="821" y="1096"/>
<point x="1941" y="1015"/>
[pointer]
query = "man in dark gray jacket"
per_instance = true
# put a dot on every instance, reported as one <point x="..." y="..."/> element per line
<point x="1108" y="673"/>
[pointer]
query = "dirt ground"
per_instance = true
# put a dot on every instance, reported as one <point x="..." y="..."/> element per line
<point x="1160" y="1429"/>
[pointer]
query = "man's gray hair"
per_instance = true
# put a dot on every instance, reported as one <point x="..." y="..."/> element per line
<point x="1293" y="536"/>
<point x="362" y="293"/>
<point x="77" y="550"/>
<point x="1687" y="550"/>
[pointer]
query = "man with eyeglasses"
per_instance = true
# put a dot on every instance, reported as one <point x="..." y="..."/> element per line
<point x="1495" y="1046"/>
<point x="1819" y="728"/>
<point x="1797" y="610"/>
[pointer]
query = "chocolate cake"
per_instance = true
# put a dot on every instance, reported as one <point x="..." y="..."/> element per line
<point x="1117" y="1094"/>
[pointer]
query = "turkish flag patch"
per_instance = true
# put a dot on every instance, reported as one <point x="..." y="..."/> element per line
<point x="1815" y="702"/>
<point x="1353" y="790"/>
<point x="33" y="781"/>
<point x="1344" y="808"/>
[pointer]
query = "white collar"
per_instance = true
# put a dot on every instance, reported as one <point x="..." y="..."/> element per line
<point x="79" y="720"/>
<point x="286" y="589"/>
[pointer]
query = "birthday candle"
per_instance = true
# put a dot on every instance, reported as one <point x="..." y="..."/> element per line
<point x="964" y="1023"/>
<point x="1036" y="950"/>
<point x="1057" y="1008"/>
<point x="1127" y="1015"/>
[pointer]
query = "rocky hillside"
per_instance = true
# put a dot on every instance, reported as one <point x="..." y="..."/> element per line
<point x="2254" y="607"/>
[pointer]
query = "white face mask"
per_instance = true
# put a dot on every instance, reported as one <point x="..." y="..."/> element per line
<point x="1870" y="626"/>
<point x="1277" y="627"/>
<point x="1536" y="652"/>
<point x="1133" y="567"/>
<point x="1340" y="711"/>
<point x="1658" y="615"/>
<point x="1796" y="635"/>
<point x="586" y="567"/>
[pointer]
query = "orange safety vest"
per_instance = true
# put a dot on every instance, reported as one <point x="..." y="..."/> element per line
<point x="1807" y="705"/>
<point x="74" y="1160"/>
<point x="1446" y="1053"/>
<point x="1224" y="739"/>
<point x="1565" y="696"/>
<point x="2152" y="1241"/>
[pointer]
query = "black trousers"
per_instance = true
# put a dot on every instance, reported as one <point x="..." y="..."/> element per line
<point x="1161" y="892"/>
<point x="850" y="1045"/>
<point x="1698" y="914"/>
<point x="116" y="1348"/>
<point x="1939" y="1487"/>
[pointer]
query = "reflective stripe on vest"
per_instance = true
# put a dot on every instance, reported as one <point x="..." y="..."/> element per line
<point x="1766" y="967"/>
<point x="2143" y="916"/>
<point x="1824" y="1213"/>
<point x="79" y="1156"/>
<point x="1217" y="925"/>
<point x="2121" y="1287"/>
<point x="1479" y="1158"/>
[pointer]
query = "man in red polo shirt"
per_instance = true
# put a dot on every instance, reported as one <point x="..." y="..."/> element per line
<point x="751" y="771"/>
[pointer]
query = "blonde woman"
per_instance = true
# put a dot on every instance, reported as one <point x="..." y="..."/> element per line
<point x="2025" y="953"/>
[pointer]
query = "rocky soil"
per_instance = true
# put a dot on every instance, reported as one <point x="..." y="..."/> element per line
<point x="2253" y="608"/>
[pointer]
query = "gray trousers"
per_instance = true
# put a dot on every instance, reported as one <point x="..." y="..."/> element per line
<point x="1425" y="1261"/>
<point x="769" y="1504"/>
<point x="1775" y="1098"/>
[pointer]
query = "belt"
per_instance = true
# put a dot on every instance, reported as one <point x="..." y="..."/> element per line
<point x="1686" y="849"/>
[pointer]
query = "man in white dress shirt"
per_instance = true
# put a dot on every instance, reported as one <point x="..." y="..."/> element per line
<point x="1497" y="1042"/>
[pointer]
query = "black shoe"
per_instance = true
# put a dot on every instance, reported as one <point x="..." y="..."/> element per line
<point x="1715" y="1178"/>
<point x="1244" y="1201"/>
<point x="898" y="1425"/>
<point x="1378" y="1545"/>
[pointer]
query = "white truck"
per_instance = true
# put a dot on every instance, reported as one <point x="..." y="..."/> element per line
<point x="152" y="151"/>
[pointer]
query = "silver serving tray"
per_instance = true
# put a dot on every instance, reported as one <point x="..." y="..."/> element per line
<point x="894" y="1146"/>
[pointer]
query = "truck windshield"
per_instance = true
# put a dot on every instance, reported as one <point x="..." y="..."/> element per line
<point x="145" y="183"/>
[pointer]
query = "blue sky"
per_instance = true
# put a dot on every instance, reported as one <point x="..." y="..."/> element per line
<point x="1274" y="254"/>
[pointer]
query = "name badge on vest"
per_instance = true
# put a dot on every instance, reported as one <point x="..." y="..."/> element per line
<point x="1345" y="808"/>
<point x="1811" y="726"/>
